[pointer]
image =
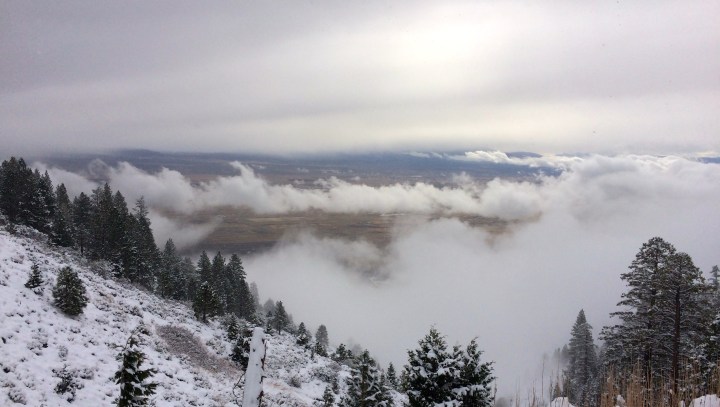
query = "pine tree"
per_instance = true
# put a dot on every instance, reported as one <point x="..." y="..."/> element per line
<point x="683" y="312"/>
<point x="171" y="281"/>
<point x="190" y="278"/>
<point x="321" y="336"/>
<point x="583" y="361"/>
<point x="431" y="372"/>
<point x="328" y="398"/>
<point x="241" y="350"/>
<point x="15" y="178"/>
<point x="302" y="337"/>
<point x="148" y="253"/>
<point x="365" y="386"/>
<point x="81" y="221"/>
<point x="319" y="349"/>
<point x="204" y="268"/>
<point x="391" y="377"/>
<point x="217" y="278"/>
<point x="473" y="383"/>
<point x="665" y="314"/>
<point x="341" y="354"/>
<point x="135" y="388"/>
<point x="239" y="298"/>
<point x="280" y="320"/>
<point x="35" y="280"/>
<point x="62" y="233"/>
<point x="207" y="303"/>
<point x="233" y="330"/>
<point x="436" y="376"/>
<point x="69" y="292"/>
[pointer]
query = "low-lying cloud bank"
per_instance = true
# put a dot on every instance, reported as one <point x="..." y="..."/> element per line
<point x="583" y="179"/>
<point x="518" y="292"/>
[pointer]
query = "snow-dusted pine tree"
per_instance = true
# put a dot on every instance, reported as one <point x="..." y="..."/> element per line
<point x="302" y="337"/>
<point x="431" y="372"/>
<point x="69" y="292"/>
<point x="665" y="315"/>
<point x="473" y="384"/>
<point x="280" y="320"/>
<point x="328" y="398"/>
<point x="135" y="388"/>
<point x="206" y="303"/>
<point x="583" y="361"/>
<point x="321" y="336"/>
<point x="35" y="279"/>
<point x="391" y="377"/>
<point x="435" y="376"/>
<point x="365" y="387"/>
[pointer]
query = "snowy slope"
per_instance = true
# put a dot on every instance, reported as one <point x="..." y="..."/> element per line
<point x="191" y="357"/>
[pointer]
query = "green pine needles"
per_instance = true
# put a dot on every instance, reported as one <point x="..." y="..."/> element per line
<point x="135" y="389"/>
<point x="69" y="292"/>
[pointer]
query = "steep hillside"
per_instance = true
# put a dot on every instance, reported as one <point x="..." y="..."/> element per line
<point x="40" y="344"/>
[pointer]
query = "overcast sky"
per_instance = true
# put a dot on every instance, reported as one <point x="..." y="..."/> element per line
<point x="303" y="76"/>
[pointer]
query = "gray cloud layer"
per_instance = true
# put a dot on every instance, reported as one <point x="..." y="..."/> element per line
<point x="278" y="76"/>
<point x="519" y="292"/>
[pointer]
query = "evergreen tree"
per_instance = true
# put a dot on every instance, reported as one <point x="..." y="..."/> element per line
<point x="204" y="268"/>
<point x="233" y="330"/>
<point x="391" y="377"/>
<point x="81" y="221"/>
<point x="365" y="388"/>
<point x="665" y="314"/>
<point x="207" y="303"/>
<point x="35" y="280"/>
<point x="302" y="337"/>
<point x="148" y="253"/>
<point x="436" y="376"/>
<point x="341" y="354"/>
<point x="239" y="298"/>
<point x="190" y="278"/>
<point x="69" y="292"/>
<point x="255" y="296"/>
<point x="280" y="320"/>
<point x="473" y="384"/>
<point x="102" y="222"/>
<point x="241" y="351"/>
<point x="328" y="398"/>
<point x="217" y="278"/>
<point x="135" y="388"/>
<point x="62" y="231"/>
<point x="171" y="281"/>
<point x="583" y="361"/>
<point x="431" y="372"/>
<point x="15" y="180"/>
<point x="321" y="336"/>
<point x="320" y="350"/>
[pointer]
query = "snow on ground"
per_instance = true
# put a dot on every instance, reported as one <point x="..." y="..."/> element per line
<point x="706" y="401"/>
<point x="561" y="402"/>
<point x="191" y="358"/>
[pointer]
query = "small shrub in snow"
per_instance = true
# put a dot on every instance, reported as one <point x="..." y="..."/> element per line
<point x="68" y="384"/>
<point x="17" y="396"/>
<point x="62" y="352"/>
<point x="295" y="382"/>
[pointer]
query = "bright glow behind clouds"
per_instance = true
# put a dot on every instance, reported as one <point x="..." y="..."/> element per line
<point x="287" y="77"/>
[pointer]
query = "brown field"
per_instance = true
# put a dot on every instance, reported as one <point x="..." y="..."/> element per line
<point x="243" y="231"/>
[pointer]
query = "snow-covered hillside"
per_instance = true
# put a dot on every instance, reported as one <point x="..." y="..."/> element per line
<point x="40" y="343"/>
